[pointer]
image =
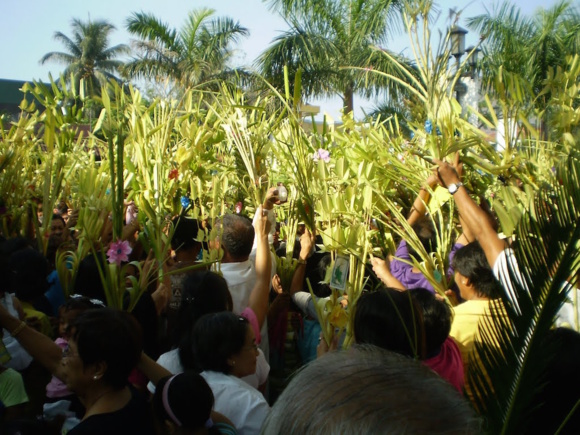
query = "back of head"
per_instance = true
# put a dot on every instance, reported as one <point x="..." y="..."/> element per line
<point x="369" y="390"/>
<point x="203" y="292"/>
<point x="88" y="281"/>
<point x="29" y="270"/>
<point x="184" y="399"/>
<point x="390" y="319"/>
<point x="237" y="236"/>
<point x="185" y="234"/>
<point x="111" y="336"/>
<point x="316" y="272"/>
<point x="436" y="319"/>
<point x="425" y="231"/>
<point x="216" y="337"/>
<point x="470" y="261"/>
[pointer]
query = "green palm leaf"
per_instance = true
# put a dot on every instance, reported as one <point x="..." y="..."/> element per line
<point x="512" y="351"/>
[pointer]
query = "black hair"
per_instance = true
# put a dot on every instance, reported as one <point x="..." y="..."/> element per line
<point x="425" y="231"/>
<point x="203" y="292"/>
<point x="185" y="234"/>
<point x="10" y="246"/>
<point x="29" y="269"/>
<point x="78" y="302"/>
<point x="111" y="336"/>
<point x="390" y="319"/>
<point x="57" y="217"/>
<point x="185" y="397"/>
<point x="470" y="261"/>
<point x="88" y="281"/>
<point x="237" y="236"/>
<point x="217" y="337"/>
<point x="316" y="272"/>
<point x="436" y="319"/>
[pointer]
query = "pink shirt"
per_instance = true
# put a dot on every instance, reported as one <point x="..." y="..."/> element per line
<point x="57" y="388"/>
<point x="448" y="364"/>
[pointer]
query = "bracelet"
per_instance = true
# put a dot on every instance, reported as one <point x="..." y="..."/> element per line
<point x="300" y="261"/>
<point x="18" y="329"/>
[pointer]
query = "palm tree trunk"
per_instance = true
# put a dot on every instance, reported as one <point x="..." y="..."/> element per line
<point x="347" y="99"/>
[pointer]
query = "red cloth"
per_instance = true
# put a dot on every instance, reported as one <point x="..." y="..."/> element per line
<point x="448" y="364"/>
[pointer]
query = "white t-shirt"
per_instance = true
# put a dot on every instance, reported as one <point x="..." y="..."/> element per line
<point x="243" y="405"/>
<point x="20" y="359"/>
<point x="504" y="263"/>
<point x="170" y="361"/>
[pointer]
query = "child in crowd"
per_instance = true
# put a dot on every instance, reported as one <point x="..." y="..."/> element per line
<point x="56" y="389"/>
<point x="173" y="400"/>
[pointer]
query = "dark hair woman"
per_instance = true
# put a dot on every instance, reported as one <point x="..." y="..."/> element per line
<point x="390" y="319"/>
<point x="104" y="346"/>
<point x="206" y="292"/>
<point x="224" y="350"/>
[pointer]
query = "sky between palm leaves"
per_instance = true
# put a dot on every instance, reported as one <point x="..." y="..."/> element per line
<point x="28" y="27"/>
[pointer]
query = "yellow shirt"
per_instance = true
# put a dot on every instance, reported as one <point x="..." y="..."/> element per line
<point x="44" y="320"/>
<point x="464" y="329"/>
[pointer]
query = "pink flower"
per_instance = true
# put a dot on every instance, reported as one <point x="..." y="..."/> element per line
<point x="119" y="252"/>
<point x="322" y="154"/>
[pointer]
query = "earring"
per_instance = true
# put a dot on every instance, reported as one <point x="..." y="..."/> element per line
<point x="95" y="378"/>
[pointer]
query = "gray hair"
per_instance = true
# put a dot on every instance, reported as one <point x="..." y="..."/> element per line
<point x="369" y="390"/>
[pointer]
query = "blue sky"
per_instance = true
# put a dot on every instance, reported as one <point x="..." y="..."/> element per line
<point x="27" y="28"/>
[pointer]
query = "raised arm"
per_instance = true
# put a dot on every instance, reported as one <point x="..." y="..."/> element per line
<point x="306" y="246"/>
<point x="383" y="272"/>
<point x="151" y="369"/>
<point x="419" y="206"/>
<point x="259" y="296"/>
<point x="473" y="217"/>
<point x="38" y="345"/>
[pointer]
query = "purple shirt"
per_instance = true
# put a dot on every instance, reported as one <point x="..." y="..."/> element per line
<point x="404" y="272"/>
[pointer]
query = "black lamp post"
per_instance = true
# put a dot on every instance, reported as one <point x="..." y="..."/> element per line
<point x="457" y="35"/>
<point x="472" y="61"/>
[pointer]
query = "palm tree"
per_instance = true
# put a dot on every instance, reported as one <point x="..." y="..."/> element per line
<point x="88" y="55"/>
<point x="527" y="47"/>
<point x="325" y="38"/>
<point x="197" y="53"/>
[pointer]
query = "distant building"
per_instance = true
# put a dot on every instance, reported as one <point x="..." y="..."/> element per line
<point x="11" y="96"/>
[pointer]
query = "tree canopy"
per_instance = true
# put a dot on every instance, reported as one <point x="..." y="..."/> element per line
<point x="88" y="55"/>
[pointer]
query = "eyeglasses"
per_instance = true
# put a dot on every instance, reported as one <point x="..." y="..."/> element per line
<point x="66" y="352"/>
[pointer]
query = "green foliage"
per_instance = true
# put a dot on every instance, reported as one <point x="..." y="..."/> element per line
<point x="88" y="55"/>
<point x="197" y="54"/>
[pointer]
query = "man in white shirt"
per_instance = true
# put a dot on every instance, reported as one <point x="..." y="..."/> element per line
<point x="237" y="264"/>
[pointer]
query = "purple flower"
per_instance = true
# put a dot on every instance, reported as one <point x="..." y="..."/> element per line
<point x="119" y="252"/>
<point x="322" y="154"/>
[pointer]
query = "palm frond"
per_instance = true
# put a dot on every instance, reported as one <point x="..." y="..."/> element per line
<point x="512" y="354"/>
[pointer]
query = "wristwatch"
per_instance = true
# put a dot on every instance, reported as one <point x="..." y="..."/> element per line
<point x="454" y="187"/>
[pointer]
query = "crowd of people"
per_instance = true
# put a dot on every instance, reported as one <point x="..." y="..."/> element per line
<point x="216" y="350"/>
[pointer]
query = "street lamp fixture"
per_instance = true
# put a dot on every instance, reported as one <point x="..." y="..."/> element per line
<point x="457" y="35"/>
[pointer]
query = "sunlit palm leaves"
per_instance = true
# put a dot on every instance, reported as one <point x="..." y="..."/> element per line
<point x="88" y="54"/>
<point x="513" y="352"/>
<point x="196" y="54"/>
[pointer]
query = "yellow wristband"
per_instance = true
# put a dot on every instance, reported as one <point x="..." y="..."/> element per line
<point x="18" y="329"/>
